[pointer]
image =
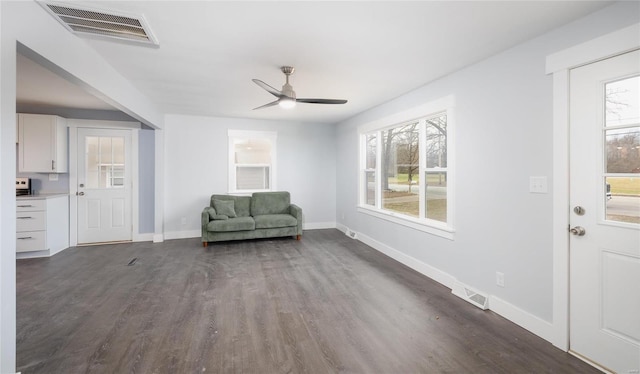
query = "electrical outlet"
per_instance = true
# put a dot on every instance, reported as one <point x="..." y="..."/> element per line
<point x="500" y="279"/>
<point x="183" y="220"/>
<point x="53" y="177"/>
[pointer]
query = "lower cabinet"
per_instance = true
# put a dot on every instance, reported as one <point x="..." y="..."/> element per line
<point x="42" y="225"/>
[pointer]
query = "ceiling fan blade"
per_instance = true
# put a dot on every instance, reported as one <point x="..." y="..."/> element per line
<point x="267" y="105"/>
<point x="268" y="88"/>
<point x="322" y="101"/>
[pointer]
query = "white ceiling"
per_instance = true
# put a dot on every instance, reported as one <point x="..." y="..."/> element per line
<point x="366" y="52"/>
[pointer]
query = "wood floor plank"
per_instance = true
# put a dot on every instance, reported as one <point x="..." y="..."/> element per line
<point x="326" y="304"/>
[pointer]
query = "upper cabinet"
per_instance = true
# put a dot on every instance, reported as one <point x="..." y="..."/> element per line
<point x="42" y="144"/>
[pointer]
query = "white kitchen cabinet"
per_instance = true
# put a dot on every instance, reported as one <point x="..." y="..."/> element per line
<point x="42" y="144"/>
<point x="42" y="225"/>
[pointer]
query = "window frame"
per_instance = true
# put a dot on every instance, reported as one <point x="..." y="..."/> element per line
<point x="422" y="113"/>
<point x="233" y="135"/>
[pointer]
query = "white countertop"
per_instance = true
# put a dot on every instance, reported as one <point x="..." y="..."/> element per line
<point x="42" y="196"/>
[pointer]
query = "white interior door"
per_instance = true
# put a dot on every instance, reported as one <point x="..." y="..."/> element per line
<point x="104" y="185"/>
<point x="605" y="213"/>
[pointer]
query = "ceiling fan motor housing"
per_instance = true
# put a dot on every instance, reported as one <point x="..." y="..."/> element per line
<point x="287" y="70"/>
<point x="287" y="89"/>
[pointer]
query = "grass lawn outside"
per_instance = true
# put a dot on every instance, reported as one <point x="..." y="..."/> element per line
<point x="432" y="179"/>
<point x="408" y="203"/>
<point x="629" y="186"/>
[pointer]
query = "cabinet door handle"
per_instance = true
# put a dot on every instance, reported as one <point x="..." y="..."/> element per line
<point x="25" y="238"/>
<point x="25" y="206"/>
<point x="24" y="217"/>
<point x="53" y="165"/>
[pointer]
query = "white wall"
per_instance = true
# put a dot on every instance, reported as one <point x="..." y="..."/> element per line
<point x="504" y="135"/>
<point x="45" y="39"/>
<point x="196" y="154"/>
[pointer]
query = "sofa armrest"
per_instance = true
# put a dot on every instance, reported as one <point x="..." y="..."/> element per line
<point x="205" y="221"/>
<point x="296" y="211"/>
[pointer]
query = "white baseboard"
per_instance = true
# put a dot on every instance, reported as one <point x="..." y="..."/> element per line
<point x="158" y="238"/>
<point x="522" y="318"/>
<point x="38" y="254"/>
<point x="341" y="227"/>
<point x="318" y="225"/>
<point x="512" y="313"/>
<point x="417" y="265"/>
<point x="182" y="234"/>
<point x="33" y="254"/>
<point x="146" y="237"/>
<point x="51" y="253"/>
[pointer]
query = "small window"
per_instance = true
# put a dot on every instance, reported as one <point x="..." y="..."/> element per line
<point x="405" y="172"/>
<point x="251" y="161"/>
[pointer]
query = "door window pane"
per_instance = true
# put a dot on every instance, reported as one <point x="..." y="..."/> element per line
<point x="623" y="102"/>
<point x="622" y="196"/>
<point x="104" y="162"/>
<point x="623" y="150"/>
<point x="92" y="169"/>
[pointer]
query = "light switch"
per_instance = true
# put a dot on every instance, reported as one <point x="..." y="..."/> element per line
<point x="538" y="185"/>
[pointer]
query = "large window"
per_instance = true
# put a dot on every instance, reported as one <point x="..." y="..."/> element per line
<point x="251" y="161"/>
<point x="406" y="171"/>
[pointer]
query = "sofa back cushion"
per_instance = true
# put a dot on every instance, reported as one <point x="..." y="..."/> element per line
<point x="270" y="203"/>
<point x="241" y="204"/>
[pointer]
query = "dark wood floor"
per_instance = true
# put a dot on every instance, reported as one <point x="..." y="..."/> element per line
<point x="321" y="305"/>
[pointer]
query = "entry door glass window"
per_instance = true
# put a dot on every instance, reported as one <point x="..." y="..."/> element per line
<point x="622" y="147"/>
<point x="105" y="162"/>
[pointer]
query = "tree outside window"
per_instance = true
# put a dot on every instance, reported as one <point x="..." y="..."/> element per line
<point x="413" y="173"/>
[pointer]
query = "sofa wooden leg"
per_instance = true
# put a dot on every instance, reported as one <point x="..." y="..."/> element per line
<point x="298" y="237"/>
<point x="204" y="244"/>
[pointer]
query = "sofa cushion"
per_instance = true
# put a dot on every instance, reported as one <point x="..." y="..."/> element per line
<point x="225" y="207"/>
<point x="241" y="203"/>
<point x="212" y="212"/>
<point x="232" y="224"/>
<point x="220" y="216"/>
<point x="269" y="221"/>
<point x="270" y="203"/>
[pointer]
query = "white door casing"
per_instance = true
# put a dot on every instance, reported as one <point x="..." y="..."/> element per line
<point x="104" y="185"/>
<point x="604" y="284"/>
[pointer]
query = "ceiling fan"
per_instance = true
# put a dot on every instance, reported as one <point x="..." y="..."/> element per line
<point x="287" y="97"/>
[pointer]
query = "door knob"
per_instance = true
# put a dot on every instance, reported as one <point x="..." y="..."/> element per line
<point x="578" y="230"/>
<point x="80" y="193"/>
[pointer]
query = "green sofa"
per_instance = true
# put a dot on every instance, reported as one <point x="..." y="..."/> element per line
<point x="261" y="215"/>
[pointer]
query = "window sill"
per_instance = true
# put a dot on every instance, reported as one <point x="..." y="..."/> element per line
<point x="441" y="231"/>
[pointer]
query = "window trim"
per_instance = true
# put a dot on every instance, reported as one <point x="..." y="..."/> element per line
<point x="438" y="228"/>
<point x="232" y="135"/>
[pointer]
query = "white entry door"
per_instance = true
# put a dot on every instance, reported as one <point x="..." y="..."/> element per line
<point x="104" y="185"/>
<point x="605" y="213"/>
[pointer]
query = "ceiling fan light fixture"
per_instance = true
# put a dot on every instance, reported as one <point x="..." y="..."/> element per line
<point x="287" y="103"/>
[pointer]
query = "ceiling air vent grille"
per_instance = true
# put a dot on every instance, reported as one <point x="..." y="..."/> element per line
<point x="87" y="22"/>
